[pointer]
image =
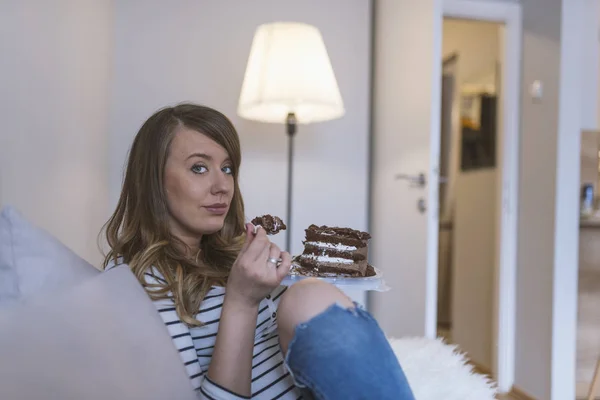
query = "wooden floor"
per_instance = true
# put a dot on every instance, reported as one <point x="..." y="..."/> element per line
<point x="583" y="363"/>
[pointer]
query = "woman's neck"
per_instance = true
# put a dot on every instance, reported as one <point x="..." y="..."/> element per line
<point x="189" y="246"/>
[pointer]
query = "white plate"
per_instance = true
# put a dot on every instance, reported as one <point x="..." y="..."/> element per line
<point x="369" y="283"/>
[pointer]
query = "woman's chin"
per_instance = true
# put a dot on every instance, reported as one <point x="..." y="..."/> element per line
<point x="210" y="229"/>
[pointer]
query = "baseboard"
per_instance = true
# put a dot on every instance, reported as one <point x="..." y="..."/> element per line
<point x="519" y="394"/>
<point x="582" y="393"/>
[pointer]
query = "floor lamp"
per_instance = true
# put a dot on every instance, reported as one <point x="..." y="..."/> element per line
<point x="289" y="79"/>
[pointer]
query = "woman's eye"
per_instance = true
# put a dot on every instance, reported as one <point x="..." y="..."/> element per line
<point x="199" y="169"/>
<point x="228" y="170"/>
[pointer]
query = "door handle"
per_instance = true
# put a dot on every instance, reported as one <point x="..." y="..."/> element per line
<point x="415" y="180"/>
<point x="419" y="180"/>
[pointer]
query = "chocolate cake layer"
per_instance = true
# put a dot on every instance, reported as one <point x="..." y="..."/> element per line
<point x="321" y="251"/>
<point x="314" y="273"/>
<point x="357" y="268"/>
<point x="312" y="236"/>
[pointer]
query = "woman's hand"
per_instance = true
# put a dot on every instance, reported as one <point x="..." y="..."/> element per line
<point x="254" y="274"/>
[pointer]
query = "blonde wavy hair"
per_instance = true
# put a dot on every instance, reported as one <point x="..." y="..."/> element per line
<point x="138" y="231"/>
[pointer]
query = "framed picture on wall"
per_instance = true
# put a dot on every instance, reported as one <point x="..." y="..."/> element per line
<point x="478" y="131"/>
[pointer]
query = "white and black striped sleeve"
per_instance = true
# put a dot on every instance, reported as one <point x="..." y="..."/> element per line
<point x="212" y="391"/>
<point x="182" y="339"/>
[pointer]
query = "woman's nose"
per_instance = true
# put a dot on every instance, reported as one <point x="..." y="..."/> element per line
<point x="220" y="183"/>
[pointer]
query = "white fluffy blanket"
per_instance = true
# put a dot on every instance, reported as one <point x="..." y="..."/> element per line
<point x="436" y="370"/>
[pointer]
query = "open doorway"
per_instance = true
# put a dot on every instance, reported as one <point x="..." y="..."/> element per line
<point x="470" y="174"/>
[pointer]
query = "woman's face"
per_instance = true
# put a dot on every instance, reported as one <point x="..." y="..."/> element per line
<point x="199" y="186"/>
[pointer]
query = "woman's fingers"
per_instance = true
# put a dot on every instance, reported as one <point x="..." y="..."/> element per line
<point x="284" y="267"/>
<point x="264" y="260"/>
<point x="263" y="256"/>
<point x="274" y="256"/>
<point x="257" y="245"/>
<point x="249" y="237"/>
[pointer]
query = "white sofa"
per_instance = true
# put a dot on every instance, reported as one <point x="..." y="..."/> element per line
<point x="68" y="331"/>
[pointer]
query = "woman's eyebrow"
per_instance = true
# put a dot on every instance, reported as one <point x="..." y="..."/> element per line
<point x="201" y="155"/>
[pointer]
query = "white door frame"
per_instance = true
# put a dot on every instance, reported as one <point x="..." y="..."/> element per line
<point x="511" y="16"/>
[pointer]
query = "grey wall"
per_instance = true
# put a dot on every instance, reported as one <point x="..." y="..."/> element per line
<point x="54" y="81"/>
<point x="548" y="199"/>
<point x="537" y="185"/>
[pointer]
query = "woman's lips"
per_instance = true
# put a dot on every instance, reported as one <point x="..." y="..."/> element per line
<point x="217" y="209"/>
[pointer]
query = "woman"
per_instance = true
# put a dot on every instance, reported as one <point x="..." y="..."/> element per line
<point x="179" y="225"/>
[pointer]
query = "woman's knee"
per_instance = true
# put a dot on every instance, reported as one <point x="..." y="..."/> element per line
<point x="303" y="301"/>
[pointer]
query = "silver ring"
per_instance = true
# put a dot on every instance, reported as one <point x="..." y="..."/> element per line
<point x="275" y="261"/>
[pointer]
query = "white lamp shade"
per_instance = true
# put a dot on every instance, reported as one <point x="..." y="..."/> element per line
<point x="289" y="71"/>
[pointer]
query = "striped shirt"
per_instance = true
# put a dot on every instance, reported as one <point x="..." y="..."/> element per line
<point x="270" y="378"/>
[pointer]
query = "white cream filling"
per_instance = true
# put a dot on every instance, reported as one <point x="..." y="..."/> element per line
<point x="327" y="259"/>
<point x="338" y="246"/>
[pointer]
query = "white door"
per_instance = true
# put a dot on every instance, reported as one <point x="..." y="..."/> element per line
<point x="404" y="217"/>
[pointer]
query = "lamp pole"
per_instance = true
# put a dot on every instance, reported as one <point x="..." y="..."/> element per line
<point x="291" y="124"/>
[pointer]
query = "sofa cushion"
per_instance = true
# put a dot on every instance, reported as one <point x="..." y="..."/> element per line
<point x="34" y="262"/>
<point x="99" y="339"/>
<point x="9" y="290"/>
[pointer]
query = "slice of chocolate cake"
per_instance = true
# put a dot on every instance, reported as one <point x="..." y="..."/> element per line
<point x="272" y="225"/>
<point x="335" y="250"/>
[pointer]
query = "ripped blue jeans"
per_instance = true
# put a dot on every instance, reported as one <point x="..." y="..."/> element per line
<point x="342" y="354"/>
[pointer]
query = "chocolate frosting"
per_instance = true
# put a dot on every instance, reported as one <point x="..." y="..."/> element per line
<point x="344" y="232"/>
